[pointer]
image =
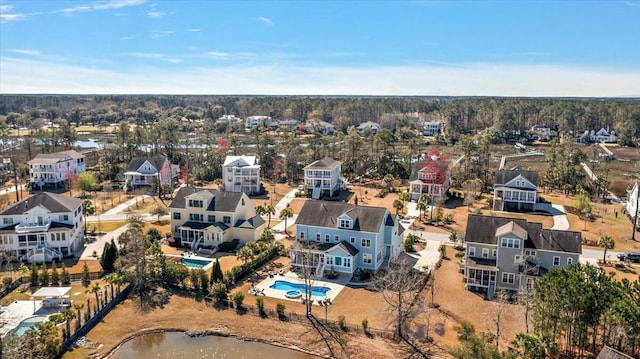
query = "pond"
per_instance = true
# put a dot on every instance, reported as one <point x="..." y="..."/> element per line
<point x="180" y="345"/>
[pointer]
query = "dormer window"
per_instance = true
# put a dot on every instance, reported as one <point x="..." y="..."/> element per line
<point x="195" y="203"/>
<point x="344" y="223"/>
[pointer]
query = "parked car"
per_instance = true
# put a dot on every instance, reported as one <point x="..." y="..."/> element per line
<point x="631" y="257"/>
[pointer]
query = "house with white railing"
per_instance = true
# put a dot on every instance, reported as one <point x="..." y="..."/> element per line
<point x="42" y="228"/>
<point x="150" y="171"/>
<point x="322" y="177"/>
<point x="241" y="174"/>
<point x="342" y="237"/>
<point x="515" y="190"/>
<point x="204" y="218"/>
<point x="51" y="170"/>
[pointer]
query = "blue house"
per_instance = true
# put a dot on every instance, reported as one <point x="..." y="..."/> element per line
<point x="341" y="237"/>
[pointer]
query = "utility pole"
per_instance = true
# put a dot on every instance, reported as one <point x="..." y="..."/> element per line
<point x="15" y="178"/>
<point x="635" y="218"/>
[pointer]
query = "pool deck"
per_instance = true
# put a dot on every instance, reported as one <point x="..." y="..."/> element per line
<point x="13" y="314"/>
<point x="293" y="278"/>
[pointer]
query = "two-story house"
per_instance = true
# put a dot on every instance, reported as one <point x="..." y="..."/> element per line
<point x="42" y="228"/>
<point x="342" y="237"/>
<point x="432" y="128"/>
<point x="510" y="253"/>
<point x="515" y="190"/>
<point x="51" y="170"/>
<point x="241" y="174"/>
<point x="431" y="177"/>
<point x="368" y="128"/>
<point x="150" y="171"/>
<point x="257" y="121"/>
<point x="207" y="217"/>
<point x="318" y="126"/>
<point x="323" y="177"/>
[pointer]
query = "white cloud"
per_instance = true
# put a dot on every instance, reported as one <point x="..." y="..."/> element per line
<point x="145" y="55"/>
<point x="265" y="20"/>
<point x="30" y="76"/>
<point x="6" y="15"/>
<point x="155" y="14"/>
<point x="102" y="5"/>
<point x="194" y="30"/>
<point x="218" y="54"/>
<point x="174" y="61"/>
<point x="25" y="52"/>
<point x="127" y="38"/>
<point x="160" y="34"/>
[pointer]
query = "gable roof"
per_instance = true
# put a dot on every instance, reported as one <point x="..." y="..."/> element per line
<point x="610" y="353"/>
<point x="484" y="229"/>
<point x="223" y="201"/>
<point x="53" y="202"/>
<point x="156" y="161"/>
<point x="511" y="227"/>
<point x="504" y="176"/>
<point x="325" y="214"/>
<point x="248" y="160"/>
<point x="325" y="163"/>
<point x="55" y="157"/>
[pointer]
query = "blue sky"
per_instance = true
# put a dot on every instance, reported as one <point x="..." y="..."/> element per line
<point x="491" y="48"/>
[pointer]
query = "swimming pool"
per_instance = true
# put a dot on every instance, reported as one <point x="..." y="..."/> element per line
<point x="28" y="324"/>
<point x="316" y="291"/>
<point x="195" y="263"/>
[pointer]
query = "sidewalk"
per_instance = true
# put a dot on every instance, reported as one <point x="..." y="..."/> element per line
<point x="98" y="245"/>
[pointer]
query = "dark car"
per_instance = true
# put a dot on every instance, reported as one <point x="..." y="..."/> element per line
<point x="631" y="257"/>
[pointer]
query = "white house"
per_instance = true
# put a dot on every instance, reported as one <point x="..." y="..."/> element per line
<point x="342" y="237"/>
<point x="322" y="177"/>
<point x="204" y="218"/>
<point x="241" y="174"/>
<point x="42" y="228"/>
<point x="150" y="171"/>
<point x="257" y="121"/>
<point x="601" y="136"/>
<point x="432" y="128"/>
<point x="515" y="190"/>
<point x="368" y="128"/>
<point x="51" y="170"/>
<point x="633" y="202"/>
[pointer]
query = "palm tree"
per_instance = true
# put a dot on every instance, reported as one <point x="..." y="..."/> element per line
<point x="607" y="243"/>
<point x="404" y="196"/>
<point x="78" y="308"/>
<point x="286" y="212"/>
<point x="88" y="209"/>
<point x="218" y="182"/>
<point x="68" y="315"/>
<point x="422" y="207"/>
<point x="95" y="289"/>
<point x="397" y="204"/>
<point x="245" y="254"/>
<point x="267" y="209"/>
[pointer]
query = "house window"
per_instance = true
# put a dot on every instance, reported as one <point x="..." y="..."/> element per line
<point x="195" y="203"/>
<point x="7" y="220"/>
<point x="529" y="252"/>
<point x="344" y="223"/>
<point x="346" y="262"/>
<point x="196" y="217"/>
<point x="211" y="219"/>
<point x="226" y="219"/>
<point x="509" y="278"/>
<point x="510" y="243"/>
<point x="336" y="238"/>
<point x="517" y="259"/>
<point x="556" y="261"/>
<point x="366" y="258"/>
<point x="352" y="240"/>
<point x="569" y="261"/>
<point x="366" y="242"/>
<point x="63" y="217"/>
<point x="472" y="251"/>
<point x="176" y="215"/>
<point x="301" y="235"/>
<point x="338" y="261"/>
<point x="318" y="237"/>
<point x="494" y="253"/>
<point x="329" y="260"/>
<point x="485" y="253"/>
<point x="326" y="238"/>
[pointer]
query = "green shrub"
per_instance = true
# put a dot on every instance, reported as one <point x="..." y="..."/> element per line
<point x="365" y="275"/>
<point x="280" y="307"/>
<point x="260" y="304"/>
<point x="448" y="219"/>
<point x="342" y="323"/>
<point x="228" y="245"/>
<point x="365" y="324"/>
<point x="237" y="298"/>
<point x="408" y="245"/>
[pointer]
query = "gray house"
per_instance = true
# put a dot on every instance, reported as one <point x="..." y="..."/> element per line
<point x="515" y="190"/>
<point x="510" y="253"/>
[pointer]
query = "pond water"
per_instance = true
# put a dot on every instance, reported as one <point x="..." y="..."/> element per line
<point x="179" y="345"/>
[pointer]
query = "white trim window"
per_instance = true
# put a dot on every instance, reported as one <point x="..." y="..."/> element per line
<point x="366" y="243"/>
<point x="569" y="261"/>
<point x="510" y="243"/>
<point x="508" y="278"/>
<point x="336" y="238"/>
<point x="326" y="238"/>
<point x="556" y="261"/>
<point x="472" y="251"/>
<point x="301" y="235"/>
<point x="485" y="253"/>
<point x="494" y="253"/>
<point x="352" y="240"/>
<point x="366" y="258"/>
<point x="318" y="237"/>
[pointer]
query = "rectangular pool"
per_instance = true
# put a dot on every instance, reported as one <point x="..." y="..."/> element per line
<point x="195" y="263"/>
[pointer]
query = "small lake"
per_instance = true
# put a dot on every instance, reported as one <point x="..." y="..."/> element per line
<point x="177" y="345"/>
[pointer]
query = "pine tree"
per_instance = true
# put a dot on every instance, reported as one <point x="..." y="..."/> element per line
<point x="55" y="275"/>
<point x="216" y="272"/>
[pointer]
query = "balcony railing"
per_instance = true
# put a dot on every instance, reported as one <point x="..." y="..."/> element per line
<point x="32" y="227"/>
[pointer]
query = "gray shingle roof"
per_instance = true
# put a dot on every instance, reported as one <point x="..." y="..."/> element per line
<point x="55" y="157"/>
<point x="51" y="201"/>
<point x="482" y="229"/>
<point x="504" y="176"/>
<point x="156" y="161"/>
<point x="610" y="353"/>
<point x="224" y="201"/>
<point x="325" y="163"/>
<point x="325" y="214"/>
<point x="204" y="225"/>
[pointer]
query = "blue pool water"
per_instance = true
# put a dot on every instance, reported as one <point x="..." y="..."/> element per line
<point x="28" y="324"/>
<point x="316" y="291"/>
<point x="194" y="263"/>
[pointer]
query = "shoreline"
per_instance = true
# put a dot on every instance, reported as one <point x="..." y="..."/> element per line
<point x="206" y="333"/>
